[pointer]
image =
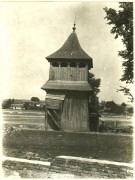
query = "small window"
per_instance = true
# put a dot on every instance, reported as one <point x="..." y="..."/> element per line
<point x="72" y="64"/>
<point x="55" y="64"/>
<point x="82" y="65"/>
<point x="64" y="64"/>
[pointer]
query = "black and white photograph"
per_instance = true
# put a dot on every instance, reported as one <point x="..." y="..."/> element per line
<point x="67" y="97"/>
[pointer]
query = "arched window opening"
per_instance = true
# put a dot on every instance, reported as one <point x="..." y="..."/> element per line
<point x="82" y="65"/>
<point x="64" y="64"/>
<point x="55" y="64"/>
<point x="72" y="64"/>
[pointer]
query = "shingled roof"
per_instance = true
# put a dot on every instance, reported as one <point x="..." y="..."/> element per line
<point x="67" y="85"/>
<point x="71" y="49"/>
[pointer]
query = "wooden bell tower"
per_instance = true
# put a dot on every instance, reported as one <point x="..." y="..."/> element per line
<point x="68" y="89"/>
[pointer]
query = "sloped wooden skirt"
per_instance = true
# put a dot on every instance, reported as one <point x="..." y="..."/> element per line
<point x="75" y="115"/>
<point x="53" y="104"/>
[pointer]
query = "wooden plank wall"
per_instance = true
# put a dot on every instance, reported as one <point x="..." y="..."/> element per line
<point x="53" y="103"/>
<point x="75" y="116"/>
<point x="68" y="73"/>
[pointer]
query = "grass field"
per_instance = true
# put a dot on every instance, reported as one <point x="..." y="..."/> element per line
<point x="49" y="144"/>
<point x="31" y="137"/>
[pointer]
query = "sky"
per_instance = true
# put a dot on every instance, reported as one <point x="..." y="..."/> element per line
<point x="30" y="31"/>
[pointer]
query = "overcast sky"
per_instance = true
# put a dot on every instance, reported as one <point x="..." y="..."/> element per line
<point x="30" y="31"/>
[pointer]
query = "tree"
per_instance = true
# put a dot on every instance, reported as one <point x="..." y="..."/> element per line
<point x="126" y="91"/>
<point x="6" y="104"/>
<point x="102" y="105"/>
<point x="35" y="99"/>
<point x="13" y="100"/>
<point x="26" y="105"/>
<point x="130" y="110"/>
<point x="122" y="26"/>
<point x="94" y="100"/>
<point x="112" y="107"/>
<point x="123" y="105"/>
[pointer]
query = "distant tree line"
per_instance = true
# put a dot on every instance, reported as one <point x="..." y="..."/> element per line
<point x="94" y="105"/>
<point x="7" y="103"/>
<point x="112" y="107"/>
<point x="33" y="104"/>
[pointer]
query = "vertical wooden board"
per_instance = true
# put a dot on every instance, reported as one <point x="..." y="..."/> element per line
<point x="63" y="75"/>
<point x="74" y="73"/>
<point x="71" y="74"/>
<point x="77" y="75"/>
<point x="55" y="72"/>
<point x="58" y="73"/>
<point x="63" y="115"/>
<point x="51" y="73"/>
<point x="84" y="77"/>
<point x="75" y="115"/>
<point x="84" y="113"/>
<point x="78" y="112"/>
<point x="80" y="74"/>
<point x="86" y="73"/>
<point x="68" y="73"/>
<point x="65" y="119"/>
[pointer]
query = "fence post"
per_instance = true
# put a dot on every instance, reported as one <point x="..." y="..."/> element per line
<point x="46" y="124"/>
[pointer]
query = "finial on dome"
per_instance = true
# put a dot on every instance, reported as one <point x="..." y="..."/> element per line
<point x="74" y="28"/>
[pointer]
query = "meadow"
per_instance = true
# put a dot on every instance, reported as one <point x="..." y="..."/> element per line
<point x="28" y="135"/>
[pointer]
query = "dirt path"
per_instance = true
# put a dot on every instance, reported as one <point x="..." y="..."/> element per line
<point x="36" y="174"/>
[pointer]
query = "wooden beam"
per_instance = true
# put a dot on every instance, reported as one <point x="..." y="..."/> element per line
<point x="48" y="112"/>
<point x="56" y="115"/>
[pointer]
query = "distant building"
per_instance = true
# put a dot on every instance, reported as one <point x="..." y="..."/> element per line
<point x="16" y="106"/>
